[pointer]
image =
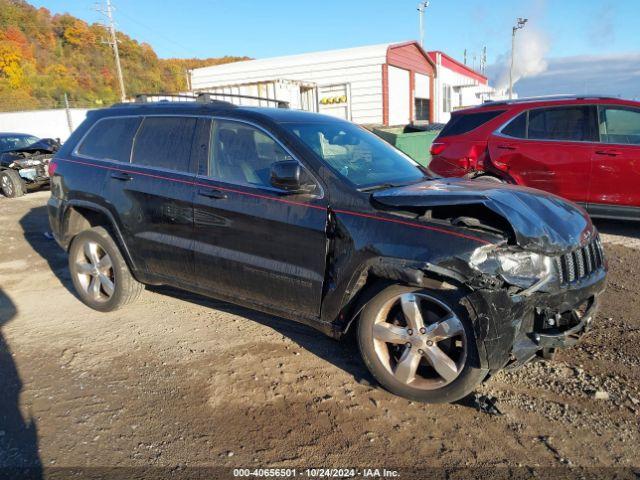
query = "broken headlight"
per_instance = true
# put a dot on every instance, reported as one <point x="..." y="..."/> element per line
<point x="27" y="163"/>
<point x="522" y="269"/>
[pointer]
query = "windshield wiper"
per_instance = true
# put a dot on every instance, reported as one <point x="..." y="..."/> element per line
<point x="382" y="186"/>
<point x="378" y="187"/>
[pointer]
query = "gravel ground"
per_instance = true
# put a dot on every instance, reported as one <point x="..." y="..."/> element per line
<point x="178" y="380"/>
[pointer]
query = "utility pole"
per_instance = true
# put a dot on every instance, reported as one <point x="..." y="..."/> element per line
<point x="421" y="8"/>
<point x="519" y="25"/>
<point x="483" y="60"/>
<point x="68" y="112"/>
<point x="113" y="41"/>
<point x="187" y="73"/>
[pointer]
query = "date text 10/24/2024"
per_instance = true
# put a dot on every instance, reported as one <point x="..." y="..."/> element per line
<point x="315" y="473"/>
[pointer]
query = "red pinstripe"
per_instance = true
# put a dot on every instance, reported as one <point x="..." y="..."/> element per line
<point x="289" y="202"/>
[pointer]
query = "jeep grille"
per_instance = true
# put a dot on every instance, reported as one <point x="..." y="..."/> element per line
<point x="580" y="263"/>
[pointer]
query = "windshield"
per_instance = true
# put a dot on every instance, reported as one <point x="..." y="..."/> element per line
<point x="358" y="155"/>
<point x="14" y="142"/>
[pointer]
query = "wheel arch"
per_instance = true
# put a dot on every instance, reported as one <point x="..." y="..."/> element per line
<point x="81" y="215"/>
<point x="381" y="273"/>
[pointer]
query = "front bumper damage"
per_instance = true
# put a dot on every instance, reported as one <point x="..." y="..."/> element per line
<point x="32" y="167"/>
<point x="511" y="329"/>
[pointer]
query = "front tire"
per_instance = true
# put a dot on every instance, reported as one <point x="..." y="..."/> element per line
<point x="11" y="184"/>
<point x="420" y="344"/>
<point x="99" y="273"/>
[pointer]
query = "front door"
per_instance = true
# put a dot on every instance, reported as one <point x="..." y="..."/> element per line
<point x="549" y="149"/>
<point x="615" y="183"/>
<point x="255" y="242"/>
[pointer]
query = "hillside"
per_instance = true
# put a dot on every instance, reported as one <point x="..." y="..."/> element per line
<point x="44" y="55"/>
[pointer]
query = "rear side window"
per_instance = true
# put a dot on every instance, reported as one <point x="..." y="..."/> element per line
<point x="465" y="122"/>
<point x="110" y="139"/>
<point x="164" y="142"/>
<point x="563" y="123"/>
<point x="620" y="125"/>
<point x="517" y="128"/>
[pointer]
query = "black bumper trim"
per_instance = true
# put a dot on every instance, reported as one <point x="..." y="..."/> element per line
<point x="571" y="336"/>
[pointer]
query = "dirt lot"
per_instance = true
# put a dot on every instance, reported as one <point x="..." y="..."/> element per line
<point x="179" y="380"/>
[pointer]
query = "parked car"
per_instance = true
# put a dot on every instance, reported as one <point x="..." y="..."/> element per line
<point x="24" y="162"/>
<point x="586" y="149"/>
<point x="317" y="220"/>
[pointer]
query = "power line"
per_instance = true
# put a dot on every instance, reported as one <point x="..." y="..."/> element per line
<point x="184" y="48"/>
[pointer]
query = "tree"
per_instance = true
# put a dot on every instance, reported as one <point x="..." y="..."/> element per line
<point x="11" y="64"/>
<point x="42" y="57"/>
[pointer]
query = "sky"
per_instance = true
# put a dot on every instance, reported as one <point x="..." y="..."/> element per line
<point x="556" y="29"/>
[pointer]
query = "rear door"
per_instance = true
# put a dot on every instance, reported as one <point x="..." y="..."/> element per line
<point x="615" y="182"/>
<point x="256" y="242"/>
<point x="549" y="149"/>
<point x="153" y="196"/>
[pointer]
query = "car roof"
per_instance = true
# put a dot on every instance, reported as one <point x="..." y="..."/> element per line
<point x="551" y="100"/>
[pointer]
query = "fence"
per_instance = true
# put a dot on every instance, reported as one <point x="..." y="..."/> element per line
<point x="52" y="123"/>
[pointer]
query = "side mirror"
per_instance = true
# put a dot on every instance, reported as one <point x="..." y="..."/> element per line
<point x="288" y="175"/>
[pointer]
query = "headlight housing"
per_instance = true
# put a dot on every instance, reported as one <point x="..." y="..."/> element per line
<point x="520" y="268"/>
<point x="26" y="162"/>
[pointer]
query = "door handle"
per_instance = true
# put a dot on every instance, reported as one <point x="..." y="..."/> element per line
<point x="212" y="193"/>
<point x="506" y="147"/>
<point x="610" y="153"/>
<point x="122" y="176"/>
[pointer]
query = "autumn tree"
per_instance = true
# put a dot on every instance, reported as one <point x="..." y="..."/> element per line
<point x="44" y="56"/>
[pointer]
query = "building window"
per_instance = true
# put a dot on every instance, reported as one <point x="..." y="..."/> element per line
<point x="422" y="108"/>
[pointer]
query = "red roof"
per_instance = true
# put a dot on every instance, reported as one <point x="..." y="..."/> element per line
<point x="453" y="64"/>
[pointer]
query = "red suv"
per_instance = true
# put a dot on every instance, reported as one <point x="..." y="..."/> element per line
<point x="586" y="149"/>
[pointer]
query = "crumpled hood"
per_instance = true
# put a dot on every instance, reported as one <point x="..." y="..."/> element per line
<point x="542" y="222"/>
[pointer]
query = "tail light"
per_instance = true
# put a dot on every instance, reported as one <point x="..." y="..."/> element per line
<point x="53" y="166"/>
<point x="437" y="148"/>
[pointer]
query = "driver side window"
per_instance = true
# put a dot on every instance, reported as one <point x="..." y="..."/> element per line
<point x="242" y="154"/>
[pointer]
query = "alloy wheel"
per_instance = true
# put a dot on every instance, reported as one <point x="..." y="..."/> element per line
<point x="420" y="341"/>
<point x="7" y="187"/>
<point x="94" y="271"/>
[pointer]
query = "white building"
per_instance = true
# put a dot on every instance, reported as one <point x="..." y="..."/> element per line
<point x="389" y="84"/>
<point x="458" y="86"/>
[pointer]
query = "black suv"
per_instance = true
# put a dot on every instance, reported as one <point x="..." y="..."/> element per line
<point x="317" y="220"/>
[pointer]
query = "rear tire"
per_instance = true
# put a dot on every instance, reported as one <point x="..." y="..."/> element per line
<point x="99" y="273"/>
<point x="11" y="184"/>
<point x="410" y="363"/>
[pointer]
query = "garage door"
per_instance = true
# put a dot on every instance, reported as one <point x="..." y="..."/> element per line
<point x="399" y="96"/>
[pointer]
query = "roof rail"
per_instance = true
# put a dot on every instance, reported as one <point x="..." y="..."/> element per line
<point x="172" y="98"/>
<point x="542" y="98"/>
<point x="206" y="97"/>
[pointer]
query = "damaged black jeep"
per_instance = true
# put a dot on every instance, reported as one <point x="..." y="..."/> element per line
<point x="315" y="219"/>
<point x="24" y="162"/>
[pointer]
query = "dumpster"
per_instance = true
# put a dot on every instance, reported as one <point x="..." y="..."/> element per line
<point x="414" y="141"/>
